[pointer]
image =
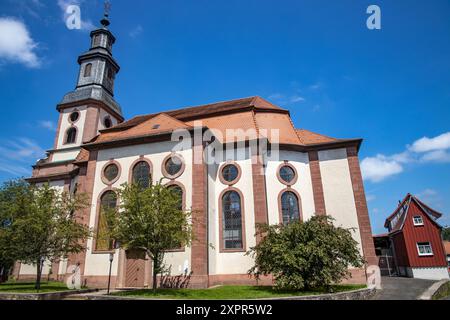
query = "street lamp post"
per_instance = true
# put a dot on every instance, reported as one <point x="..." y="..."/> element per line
<point x="111" y="258"/>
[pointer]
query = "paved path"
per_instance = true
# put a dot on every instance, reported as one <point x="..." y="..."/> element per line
<point x="397" y="288"/>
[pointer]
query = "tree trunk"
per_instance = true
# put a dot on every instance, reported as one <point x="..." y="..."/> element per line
<point x="155" y="273"/>
<point x="37" y="286"/>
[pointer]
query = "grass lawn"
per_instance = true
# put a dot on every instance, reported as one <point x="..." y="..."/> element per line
<point x="443" y="292"/>
<point x="227" y="292"/>
<point x="28" y="287"/>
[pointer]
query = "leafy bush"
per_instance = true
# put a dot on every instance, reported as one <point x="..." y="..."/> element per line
<point x="305" y="255"/>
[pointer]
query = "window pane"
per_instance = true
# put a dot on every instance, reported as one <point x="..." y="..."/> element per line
<point x="96" y="40"/>
<point x="87" y="70"/>
<point x="287" y="174"/>
<point x="173" y="165"/>
<point x="74" y="116"/>
<point x="289" y="207"/>
<point x="71" y="135"/>
<point x="141" y="174"/>
<point x="230" y="172"/>
<point x="179" y="192"/>
<point x="232" y="220"/>
<point x="111" y="172"/>
<point x="107" y="202"/>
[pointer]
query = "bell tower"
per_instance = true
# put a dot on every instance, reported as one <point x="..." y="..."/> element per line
<point x="97" y="66"/>
<point x="91" y="106"/>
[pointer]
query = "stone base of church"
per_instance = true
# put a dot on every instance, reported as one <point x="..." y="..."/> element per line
<point x="358" y="276"/>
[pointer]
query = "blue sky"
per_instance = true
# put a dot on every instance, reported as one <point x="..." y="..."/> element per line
<point x="316" y="58"/>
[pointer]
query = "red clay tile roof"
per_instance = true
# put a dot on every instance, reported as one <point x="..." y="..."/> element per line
<point x="253" y="113"/>
<point x="266" y="121"/>
<point x="157" y="124"/>
<point x="308" y="137"/>
<point x="82" y="156"/>
<point x="219" y="124"/>
<point x="203" y="111"/>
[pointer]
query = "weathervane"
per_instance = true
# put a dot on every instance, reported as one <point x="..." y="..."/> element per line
<point x="107" y="8"/>
<point x="105" y="21"/>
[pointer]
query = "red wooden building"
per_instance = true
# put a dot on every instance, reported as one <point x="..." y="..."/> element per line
<point x="413" y="245"/>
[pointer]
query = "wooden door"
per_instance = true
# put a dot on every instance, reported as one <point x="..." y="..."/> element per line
<point x="135" y="269"/>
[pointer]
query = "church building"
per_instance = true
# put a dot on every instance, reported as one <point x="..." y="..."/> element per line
<point x="96" y="150"/>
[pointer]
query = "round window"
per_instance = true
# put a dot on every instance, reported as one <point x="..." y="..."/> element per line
<point x="74" y="116"/>
<point x="107" y="122"/>
<point x="111" y="172"/>
<point x="287" y="174"/>
<point x="230" y="172"/>
<point x="173" y="165"/>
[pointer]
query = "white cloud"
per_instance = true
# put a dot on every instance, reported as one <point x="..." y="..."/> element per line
<point x="436" y="156"/>
<point x="136" y="31"/>
<point x="425" y="144"/>
<point x="286" y="99"/>
<point x="427" y="193"/>
<point x="15" y="170"/>
<point x="379" y="168"/>
<point x="422" y="151"/>
<point x="296" y="98"/>
<point x="17" y="154"/>
<point x="315" y="86"/>
<point x="16" y="44"/>
<point x="46" y="124"/>
<point x="21" y="149"/>
<point x="370" y="197"/>
<point x="86" y="25"/>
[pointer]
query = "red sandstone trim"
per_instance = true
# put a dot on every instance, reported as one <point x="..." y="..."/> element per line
<point x="316" y="180"/>
<point x="259" y="192"/>
<point x="199" y="247"/>
<point x="58" y="129"/>
<point x="86" y="184"/>
<point x="90" y="123"/>
<point x="361" y="207"/>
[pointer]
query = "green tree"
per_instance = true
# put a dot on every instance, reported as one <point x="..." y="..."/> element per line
<point x="446" y="233"/>
<point x="14" y="195"/>
<point x="42" y="224"/>
<point x="150" y="219"/>
<point x="305" y="255"/>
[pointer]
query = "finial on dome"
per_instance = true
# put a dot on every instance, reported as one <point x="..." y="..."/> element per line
<point x="105" y="21"/>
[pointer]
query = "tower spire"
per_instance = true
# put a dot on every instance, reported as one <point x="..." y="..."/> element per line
<point x="107" y="8"/>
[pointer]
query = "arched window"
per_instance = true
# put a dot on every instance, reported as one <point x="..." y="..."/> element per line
<point x="96" y="41"/>
<point x="179" y="192"/>
<point x="107" y="122"/>
<point x="108" y="202"/>
<point x="141" y="174"/>
<point x="71" y="135"/>
<point x="87" y="70"/>
<point x="232" y="220"/>
<point x="290" y="210"/>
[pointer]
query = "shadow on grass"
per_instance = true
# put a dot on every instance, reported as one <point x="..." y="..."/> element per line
<point x="28" y="287"/>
